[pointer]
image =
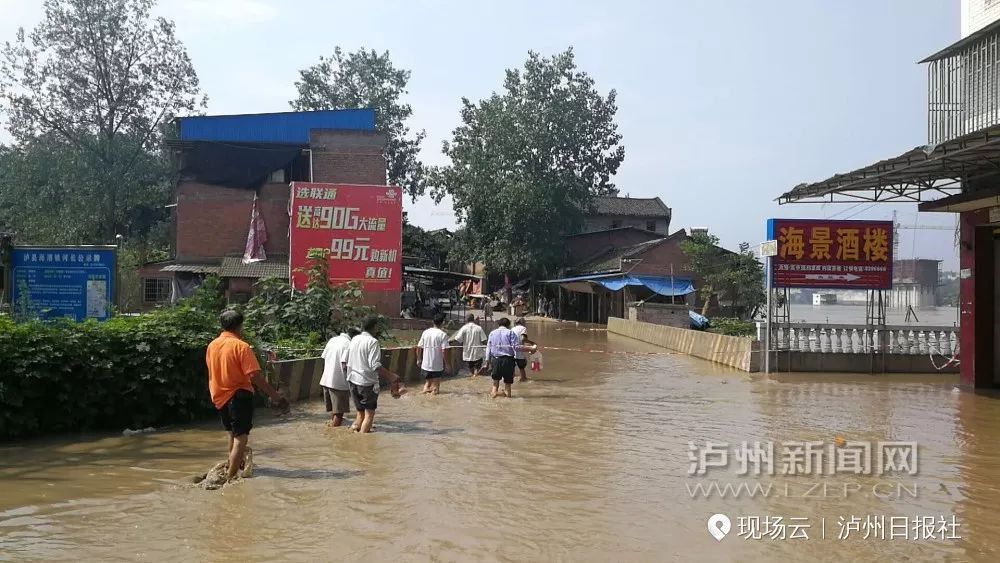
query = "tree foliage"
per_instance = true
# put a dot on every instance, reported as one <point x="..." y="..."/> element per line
<point x="278" y="315"/>
<point x="527" y="162"/>
<point x="51" y="192"/>
<point x="431" y="247"/>
<point x="735" y="277"/>
<point x="88" y="93"/>
<point x="368" y="79"/>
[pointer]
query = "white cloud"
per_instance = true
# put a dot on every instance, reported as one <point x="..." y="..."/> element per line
<point x="246" y="12"/>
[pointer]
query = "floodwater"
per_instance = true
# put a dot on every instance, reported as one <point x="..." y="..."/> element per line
<point x="589" y="462"/>
<point x="855" y="314"/>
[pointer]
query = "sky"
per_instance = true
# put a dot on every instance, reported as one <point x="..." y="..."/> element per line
<point x="723" y="106"/>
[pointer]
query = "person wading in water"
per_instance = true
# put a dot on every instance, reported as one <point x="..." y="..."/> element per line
<point x="233" y="370"/>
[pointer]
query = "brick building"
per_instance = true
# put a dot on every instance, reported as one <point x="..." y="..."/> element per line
<point x="225" y="161"/>
<point x="613" y="267"/>
<point x="610" y="212"/>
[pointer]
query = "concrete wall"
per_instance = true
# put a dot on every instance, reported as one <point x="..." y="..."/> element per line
<point x="732" y="351"/>
<point x="855" y="363"/>
<point x="977" y="14"/>
<point x="660" y="314"/>
<point x="299" y="379"/>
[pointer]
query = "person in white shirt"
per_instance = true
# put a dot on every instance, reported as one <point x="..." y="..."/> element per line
<point x="472" y="337"/>
<point x="336" y="391"/>
<point x="364" y="366"/>
<point x="432" y="357"/>
<point x="520" y="357"/>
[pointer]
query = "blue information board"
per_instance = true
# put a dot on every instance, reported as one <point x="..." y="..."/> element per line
<point x="64" y="281"/>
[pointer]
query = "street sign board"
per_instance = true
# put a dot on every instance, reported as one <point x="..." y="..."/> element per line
<point x="769" y="248"/>
<point x="360" y="228"/>
<point x="64" y="281"/>
<point x="821" y="253"/>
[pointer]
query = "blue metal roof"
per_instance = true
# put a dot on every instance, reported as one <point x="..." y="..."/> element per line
<point x="289" y="127"/>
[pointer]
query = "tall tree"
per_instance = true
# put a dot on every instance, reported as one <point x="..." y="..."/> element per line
<point x="526" y="164"/>
<point x="99" y="78"/>
<point x="367" y="79"/>
<point x="736" y="277"/>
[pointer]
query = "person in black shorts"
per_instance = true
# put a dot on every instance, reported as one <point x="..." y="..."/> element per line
<point x="500" y="348"/>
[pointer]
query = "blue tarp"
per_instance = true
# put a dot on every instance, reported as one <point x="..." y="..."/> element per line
<point x="663" y="285"/>
<point x="698" y="322"/>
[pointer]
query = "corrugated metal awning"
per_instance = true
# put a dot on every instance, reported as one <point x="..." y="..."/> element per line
<point x="233" y="267"/>
<point x="192" y="268"/>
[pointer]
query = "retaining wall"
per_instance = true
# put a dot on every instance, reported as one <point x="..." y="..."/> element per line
<point x="299" y="379"/>
<point x="733" y="351"/>
<point x="856" y="362"/>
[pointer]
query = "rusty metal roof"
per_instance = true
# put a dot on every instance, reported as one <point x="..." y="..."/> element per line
<point x="233" y="267"/>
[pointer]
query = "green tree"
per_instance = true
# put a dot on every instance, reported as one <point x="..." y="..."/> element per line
<point x="736" y="277"/>
<point x="367" y="79"/>
<point x="432" y="247"/>
<point x="95" y="83"/>
<point x="526" y="164"/>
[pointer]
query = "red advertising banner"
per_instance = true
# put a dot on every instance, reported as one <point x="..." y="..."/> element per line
<point x="360" y="227"/>
<point x="818" y="253"/>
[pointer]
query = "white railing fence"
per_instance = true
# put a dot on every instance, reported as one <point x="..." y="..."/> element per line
<point x="846" y="338"/>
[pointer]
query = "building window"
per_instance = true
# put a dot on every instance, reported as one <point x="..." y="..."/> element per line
<point x="156" y="290"/>
<point x="651" y="225"/>
<point x="616" y="224"/>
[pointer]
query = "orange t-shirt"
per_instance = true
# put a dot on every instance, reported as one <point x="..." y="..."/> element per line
<point x="230" y="363"/>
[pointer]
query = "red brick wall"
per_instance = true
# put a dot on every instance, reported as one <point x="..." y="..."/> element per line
<point x="348" y="157"/>
<point x="212" y="221"/>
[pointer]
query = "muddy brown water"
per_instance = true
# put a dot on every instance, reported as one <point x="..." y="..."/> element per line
<point x="589" y="462"/>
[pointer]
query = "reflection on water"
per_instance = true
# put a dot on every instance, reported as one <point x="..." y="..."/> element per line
<point x="587" y="463"/>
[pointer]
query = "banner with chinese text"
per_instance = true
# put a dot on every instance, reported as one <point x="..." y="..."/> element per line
<point x="358" y="226"/>
<point x="819" y="253"/>
<point x="53" y="282"/>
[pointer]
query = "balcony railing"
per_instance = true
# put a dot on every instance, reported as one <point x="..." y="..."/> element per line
<point x="963" y="88"/>
<point x="847" y="338"/>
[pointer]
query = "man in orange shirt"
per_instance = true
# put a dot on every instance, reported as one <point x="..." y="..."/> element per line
<point x="233" y="370"/>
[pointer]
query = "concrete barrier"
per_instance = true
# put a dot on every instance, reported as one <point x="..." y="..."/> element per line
<point x="856" y="362"/>
<point x="299" y="379"/>
<point x="733" y="351"/>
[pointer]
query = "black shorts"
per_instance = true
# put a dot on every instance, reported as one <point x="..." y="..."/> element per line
<point x="503" y="368"/>
<point x="365" y="397"/>
<point x="431" y="374"/>
<point x="474" y="365"/>
<point x="521" y="362"/>
<point x="237" y="413"/>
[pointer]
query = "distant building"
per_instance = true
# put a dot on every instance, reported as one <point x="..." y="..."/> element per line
<point x="649" y="214"/>
<point x="223" y="161"/>
<point x="914" y="283"/>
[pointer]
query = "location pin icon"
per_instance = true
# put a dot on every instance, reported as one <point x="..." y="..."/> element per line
<point x="719" y="525"/>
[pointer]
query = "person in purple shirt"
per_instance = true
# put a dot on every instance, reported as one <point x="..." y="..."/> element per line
<point x="500" y="348"/>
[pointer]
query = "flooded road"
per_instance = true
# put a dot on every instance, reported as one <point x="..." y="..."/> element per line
<point x="589" y="462"/>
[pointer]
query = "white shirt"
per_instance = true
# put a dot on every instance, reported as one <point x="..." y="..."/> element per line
<point x="520" y="331"/>
<point x="334" y="358"/>
<point x="364" y="358"/>
<point x="472" y="337"/>
<point x="433" y="342"/>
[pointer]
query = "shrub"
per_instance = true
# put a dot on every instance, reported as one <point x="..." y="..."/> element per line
<point x="733" y="327"/>
<point x="127" y="372"/>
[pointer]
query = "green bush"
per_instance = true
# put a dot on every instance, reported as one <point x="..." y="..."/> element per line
<point x="733" y="327"/>
<point x="128" y="372"/>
